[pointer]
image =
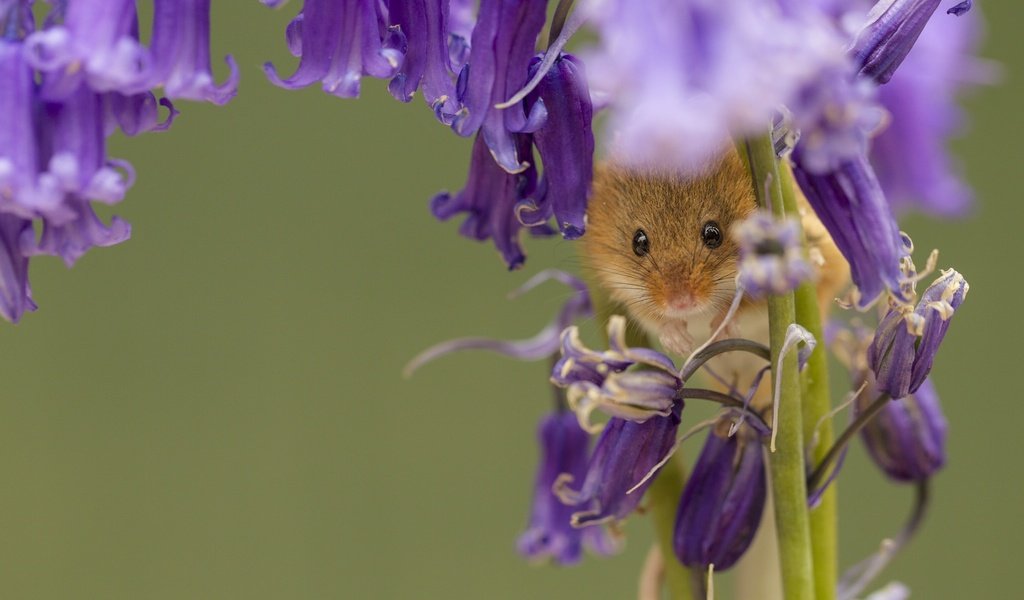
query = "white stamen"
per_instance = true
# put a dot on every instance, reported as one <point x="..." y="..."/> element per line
<point x="711" y="582"/>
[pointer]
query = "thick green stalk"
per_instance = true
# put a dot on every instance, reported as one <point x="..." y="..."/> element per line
<point x="816" y="404"/>
<point x="788" y="473"/>
<point x="662" y="497"/>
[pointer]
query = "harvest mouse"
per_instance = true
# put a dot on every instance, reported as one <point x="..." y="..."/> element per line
<point x="660" y="245"/>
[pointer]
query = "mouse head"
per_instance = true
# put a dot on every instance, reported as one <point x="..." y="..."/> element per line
<point x="659" y="243"/>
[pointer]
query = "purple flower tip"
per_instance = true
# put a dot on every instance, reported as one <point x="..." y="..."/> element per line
<point x="600" y="380"/>
<point x="620" y="468"/>
<point x="961" y="8"/>
<point x="722" y="502"/>
<point x="907" y="440"/>
<point x="550" y="534"/>
<point x="771" y="255"/>
<point x="908" y="338"/>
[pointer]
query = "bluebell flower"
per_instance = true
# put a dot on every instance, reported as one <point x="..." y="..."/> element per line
<point x="772" y="259"/>
<point x="181" y="53"/>
<point x="852" y="207"/>
<point x="907" y="339"/>
<point x="907" y="439"/>
<point x="722" y="502"/>
<point x="550" y="534"/>
<point x="886" y="38"/>
<point x="618" y="472"/>
<point x="566" y="146"/>
<point x="490" y="198"/>
<point x="427" y="64"/>
<point x="94" y="42"/>
<point x="679" y="75"/>
<point x="600" y="380"/>
<point x="502" y="46"/>
<point x="341" y="41"/>
<point x="67" y="87"/>
<point x="910" y="155"/>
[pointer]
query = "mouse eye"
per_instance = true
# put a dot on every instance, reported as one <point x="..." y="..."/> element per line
<point x="711" y="233"/>
<point x="641" y="245"/>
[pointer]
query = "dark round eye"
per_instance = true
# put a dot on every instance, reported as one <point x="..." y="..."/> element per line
<point x="711" y="233"/>
<point x="641" y="245"/>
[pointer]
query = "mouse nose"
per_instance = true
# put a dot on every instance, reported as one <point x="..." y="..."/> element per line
<point x="682" y="300"/>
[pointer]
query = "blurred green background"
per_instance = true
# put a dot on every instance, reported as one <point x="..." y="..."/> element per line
<point x="215" y="409"/>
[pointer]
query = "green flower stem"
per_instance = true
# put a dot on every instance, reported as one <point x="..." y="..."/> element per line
<point x="816" y="403"/>
<point x="662" y="497"/>
<point x="787" y="470"/>
<point x="662" y="503"/>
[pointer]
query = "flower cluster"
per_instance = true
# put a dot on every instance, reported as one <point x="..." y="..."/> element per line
<point x="771" y="255"/>
<point x="465" y="67"/>
<point x="66" y="87"/>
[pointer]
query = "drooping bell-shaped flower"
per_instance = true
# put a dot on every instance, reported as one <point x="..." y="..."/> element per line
<point x="503" y="43"/>
<point x="600" y="380"/>
<point x="566" y="146"/>
<point x="723" y="499"/>
<point x="96" y="43"/>
<point x="906" y="340"/>
<point x="489" y="200"/>
<point x="181" y="53"/>
<point x="427" y="64"/>
<point x="911" y="155"/>
<point x="852" y="207"/>
<point x="907" y="439"/>
<point x="620" y="467"/>
<point x="550" y="534"/>
<point x="341" y="40"/>
<point x="771" y="255"/>
<point x="681" y="76"/>
<point x="890" y="32"/>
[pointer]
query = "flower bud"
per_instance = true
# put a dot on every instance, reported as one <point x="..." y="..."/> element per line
<point x="907" y="439"/>
<point x="905" y="343"/>
<point x="723" y="500"/>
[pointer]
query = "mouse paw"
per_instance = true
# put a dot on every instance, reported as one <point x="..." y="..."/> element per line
<point x="676" y="338"/>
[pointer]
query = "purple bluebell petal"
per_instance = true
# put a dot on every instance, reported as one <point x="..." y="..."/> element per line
<point x="722" y="502"/>
<point x="15" y="295"/>
<point x="550" y="534"/>
<point x="97" y="43"/>
<point x="906" y="342"/>
<point x="960" y="9"/>
<point x="461" y="19"/>
<point x="73" y="239"/>
<point x="624" y="455"/>
<point x="489" y="200"/>
<point x="341" y="40"/>
<point x="566" y="143"/>
<point x="181" y="53"/>
<point x="907" y="439"/>
<point x="139" y="113"/>
<point x="910" y="155"/>
<point x="77" y="139"/>
<point x="852" y="207"/>
<point x="544" y="344"/>
<point x="427" y="61"/>
<point x="24" y="190"/>
<point x="890" y="32"/>
<point x="679" y="74"/>
<point x="771" y="255"/>
<point x="503" y="44"/>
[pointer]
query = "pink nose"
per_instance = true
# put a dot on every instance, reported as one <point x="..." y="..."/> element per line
<point x="682" y="301"/>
